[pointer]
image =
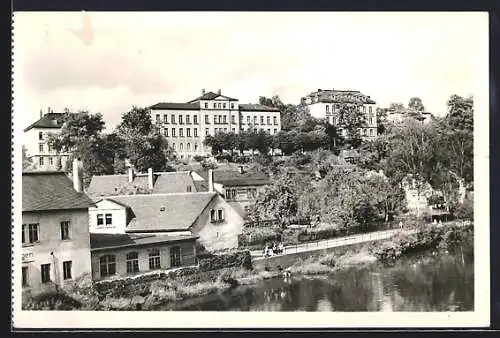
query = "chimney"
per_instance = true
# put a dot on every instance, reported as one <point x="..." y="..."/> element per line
<point x="77" y="183"/>
<point x="219" y="91"/>
<point x="130" y="174"/>
<point x="240" y="169"/>
<point x="210" y="180"/>
<point x="150" y="178"/>
<point x="203" y="92"/>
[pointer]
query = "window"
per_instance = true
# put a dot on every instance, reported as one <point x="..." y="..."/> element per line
<point x="154" y="259"/>
<point x="268" y="120"/>
<point x="165" y="132"/>
<point x="188" y="188"/>
<point x="188" y="146"/>
<point x="100" y="219"/>
<point x="33" y="233"/>
<point x="49" y="148"/>
<point x="165" y="118"/>
<point x="232" y="105"/>
<point x="45" y="270"/>
<point x="327" y="108"/>
<point x="215" y="105"/>
<point x="206" y="132"/>
<point x="275" y="120"/>
<point x="195" y="146"/>
<point x="365" y="132"/>
<point x="175" y="256"/>
<point x="188" y="119"/>
<point x="371" y="132"/>
<point x="220" y="215"/>
<point x="40" y="135"/>
<point x="262" y="120"/>
<point x="188" y="132"/>
<point x="206" y="105"/>
<point x="195" y="119"/>
<point x="225" y="130"/>
<point x="275" y="130"/>
<point x="181" y="120"/>
<point x="173" y="132"/>
<point x="157" y="118"/>
<point x="64" y="230"/>
<point x="224" y="119"/>
<point x="370" y="120"/>
<point x="207" y="120"/>
<point x="173" y="146"/>
<point x="40" y="148"/>
<point x="233" y="130"/>
<point x="218" y="105"/>
<point x="233" y="119"/>
<point x="181" y="132"/>
<point x="224" y="105"/>
<point x="132" y="262"/>
<point x="216" y="130"/>
<point x="181" y="146"/>
<point x="370" y="109"/>
<point x="67" y="269"/>
<point x="51" y="161"/>
<point x="364" y="109"/>
<point x="172" y="118"/>
<point x="25" y="276"/>
<point x="216" y="215"/>
<point x="107" y="265"/>
<point x="269" y="131"/>
<point x="109" y="219"/>
<point x="248" y="119"/>
<point x="195" y="132"/>
<point x="40" y="161"/>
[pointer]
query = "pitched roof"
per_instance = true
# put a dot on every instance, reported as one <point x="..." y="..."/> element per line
<point x="211" y="96"/>
<point x="49" y="120"/>
<point x="238" y="208"/>
<point x="201" y="186"/>
<point x="256" y="107"/>
<point x="233" y="178"/>
<point x="100" y="241"/>
<point x="180" y="210"/>
<point x="176" y="106"/>
<point x="340" y="96"/>
<point x="109" y="185"/>
<point x="173" y="182"/>
<point x="51" y="191"/>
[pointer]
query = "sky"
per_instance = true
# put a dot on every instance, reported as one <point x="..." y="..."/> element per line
<point x="108" y="62"/>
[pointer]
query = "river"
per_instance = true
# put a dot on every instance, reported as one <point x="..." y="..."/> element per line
<point x="424" y="282"/>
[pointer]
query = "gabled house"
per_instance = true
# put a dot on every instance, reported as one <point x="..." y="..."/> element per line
<point x="55" y="230"/>
<point x="204" y="214"/>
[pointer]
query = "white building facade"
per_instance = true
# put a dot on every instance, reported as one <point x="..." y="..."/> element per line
<point x="326" y="104"/>
<point x="35" y="140"/>
<point x="186" y="125"/>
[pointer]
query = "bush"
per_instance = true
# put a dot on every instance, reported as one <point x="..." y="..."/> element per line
<point x="199" y="158"/>
<point x="258" y="236"/>
<point x="465" y="210"/>
<point x="240" y="259"/>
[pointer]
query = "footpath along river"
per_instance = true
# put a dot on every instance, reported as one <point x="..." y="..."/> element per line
<point x="424" y="282"/>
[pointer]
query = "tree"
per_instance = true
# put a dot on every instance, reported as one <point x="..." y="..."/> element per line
<point x="397" y="107"/>
<point x="144" y="146"/>
<point x="416" y="104"/>
<point x="381" y="121"/>
<point x="275" y="101"/>
<point x="27" y="162"/>
<point x="352" y="119"/>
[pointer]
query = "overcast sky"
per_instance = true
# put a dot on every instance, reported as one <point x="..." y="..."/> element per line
<point x="107" y="62"/>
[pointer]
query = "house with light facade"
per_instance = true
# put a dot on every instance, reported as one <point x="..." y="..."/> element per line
<point x="186" y="125"/>
<point x="326" y="104"/>
<point x="35" y="140"/>
<point x="55" y="231"/>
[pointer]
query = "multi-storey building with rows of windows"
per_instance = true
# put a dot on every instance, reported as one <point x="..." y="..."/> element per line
<point x="325" y="104"/>
<point x="186" y="125"/>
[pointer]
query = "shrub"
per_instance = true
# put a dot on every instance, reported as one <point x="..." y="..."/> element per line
<point x="199" y="158"/>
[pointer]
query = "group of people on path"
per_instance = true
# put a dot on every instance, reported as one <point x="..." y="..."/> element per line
<point x="274" y="249"/>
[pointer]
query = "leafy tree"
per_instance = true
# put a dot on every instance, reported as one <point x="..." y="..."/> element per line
<point x="144" y="146"/>
<point x="27" y="162"/>
<point x="416" y="104"/>
<point x="275" y="101"/>
<point x="397" y="107"/>
<point x="381" y="121"/>
<point x="352" y="119"/>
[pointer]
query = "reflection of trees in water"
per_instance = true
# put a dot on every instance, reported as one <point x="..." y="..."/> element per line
<point x="433" y="286"/>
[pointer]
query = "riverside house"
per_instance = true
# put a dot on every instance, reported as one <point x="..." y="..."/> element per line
<point x="55" y="231"/>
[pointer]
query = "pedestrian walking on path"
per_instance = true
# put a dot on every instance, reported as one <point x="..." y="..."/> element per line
<point x="400" y="224"/>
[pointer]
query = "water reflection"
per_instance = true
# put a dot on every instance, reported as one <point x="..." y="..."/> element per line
<point x="425" y="283"/>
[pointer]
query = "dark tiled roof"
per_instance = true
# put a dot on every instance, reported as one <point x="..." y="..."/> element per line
<point x="233" y="178"/>
<point x="108" y="241"/>
<point x="176" y="106"/>
<point x="328" y="95"/>
<point x="256" y="107"/>
<point x="110" y="185"/>
<point x="201" y="186"/>
<point x="49" y="120"/>
<point x="211" y="96"/>
<point x="180" y="210"/>
<point x="51" y="191"/>
<point x="173" y="182"/>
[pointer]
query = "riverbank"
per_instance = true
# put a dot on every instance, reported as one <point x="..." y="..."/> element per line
<point x="149" y="292"/>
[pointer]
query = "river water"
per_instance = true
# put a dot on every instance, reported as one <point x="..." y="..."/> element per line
<point x="420" y="283"/>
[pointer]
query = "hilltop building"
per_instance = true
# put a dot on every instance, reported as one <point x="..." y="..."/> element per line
<point x="186" y="125"/>
<point x="326" y="104"/>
